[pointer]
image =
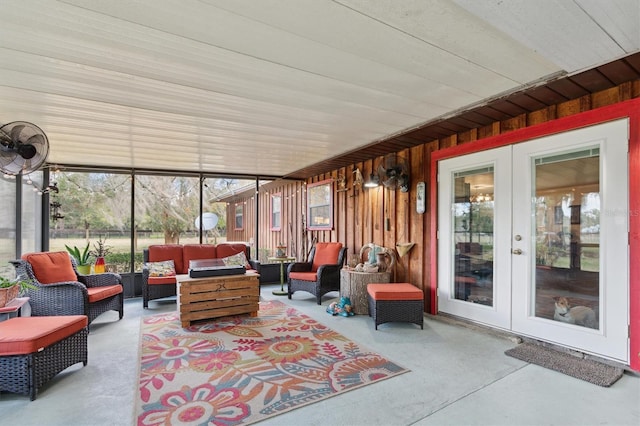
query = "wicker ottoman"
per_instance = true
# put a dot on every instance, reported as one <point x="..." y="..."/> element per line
<point x="34" y="349"/>
<point x="399" y="302"/>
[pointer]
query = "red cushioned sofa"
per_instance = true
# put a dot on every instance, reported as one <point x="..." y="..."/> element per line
<point x="157" y="287"/>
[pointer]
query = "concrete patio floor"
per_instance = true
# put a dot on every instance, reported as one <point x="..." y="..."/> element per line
<point x="459" y="376"/>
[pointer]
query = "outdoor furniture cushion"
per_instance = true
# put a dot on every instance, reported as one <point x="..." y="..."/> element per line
<point x="397" y="291"/>
<point x="326" y="254"/>
<point x="399" y="302"/>
<point x="51" y="267"/>
<point x="162" y="280"/>
<point x="197" y="252"/>
<point x="304" y="276"/>
<point x="229" y="249"/>
<point x="25" y="335"/>
<point x="100" y="293"/>
<point x="238" y="259"/>
<point x="166" y="268"/>
<point x="161" y="252"/>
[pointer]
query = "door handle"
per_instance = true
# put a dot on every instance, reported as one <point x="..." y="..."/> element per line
<point x="516" y="251"/>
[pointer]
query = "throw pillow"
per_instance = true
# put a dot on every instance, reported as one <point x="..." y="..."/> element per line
<point x="161" y="269"/>
<point x="237" y="260"/>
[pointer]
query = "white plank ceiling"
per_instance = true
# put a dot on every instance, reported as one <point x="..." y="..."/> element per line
<point x="271" y="86"/>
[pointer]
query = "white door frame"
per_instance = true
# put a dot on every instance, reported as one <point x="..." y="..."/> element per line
<point x="611" y="340"/>
<point x="499" y="314"/>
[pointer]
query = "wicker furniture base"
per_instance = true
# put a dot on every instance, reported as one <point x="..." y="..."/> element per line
<point x="157" y="291"/>
<point x="403" y="305"/>
<point x="384" y="311"/>
<point x="113" y="303"/>
<point x="317" y="288"/>
<point x="26" y="374"/>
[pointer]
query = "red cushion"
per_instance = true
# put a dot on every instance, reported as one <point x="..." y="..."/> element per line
<point x="25" y="335"/>
<point x="326" y="254"/>
<point x="161" y="280"/>
<point x="304" y="276"/>
<point x="51" y="267"/>
<point x="100" y="293"/>
<point x="160" y="252"/>
<point x="197" y="252"/>
<point x="397" y="291"/>
<point x="229" y="249"/>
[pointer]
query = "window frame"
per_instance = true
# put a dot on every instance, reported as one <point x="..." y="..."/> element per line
<point x="273" y="212"/>
<point x="322" y="191"/>
<point x="238" y="212"/>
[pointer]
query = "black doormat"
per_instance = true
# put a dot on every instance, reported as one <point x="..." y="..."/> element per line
<point x="585" y="369"/>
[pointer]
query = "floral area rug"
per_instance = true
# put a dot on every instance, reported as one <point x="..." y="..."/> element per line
<point x="240" y="370"/>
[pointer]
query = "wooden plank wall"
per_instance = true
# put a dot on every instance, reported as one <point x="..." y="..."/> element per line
<point x="386" y="217"/>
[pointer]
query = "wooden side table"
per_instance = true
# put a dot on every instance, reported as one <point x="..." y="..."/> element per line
<point x="281" y="261"/>
<point x="354" y="286"/>
<point x="13" y="308"/>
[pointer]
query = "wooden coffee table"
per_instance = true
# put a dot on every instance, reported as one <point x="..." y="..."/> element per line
<point x="214" y="297"/>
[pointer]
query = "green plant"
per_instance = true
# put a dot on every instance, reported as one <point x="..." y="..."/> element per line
<point x="82" y="258"/>
<point x="101" y="248"/>
<point x="23" y="284"/>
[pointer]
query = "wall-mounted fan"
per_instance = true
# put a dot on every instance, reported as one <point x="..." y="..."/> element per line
<point x="394" y="173"/>
<point x="23" y="147"/>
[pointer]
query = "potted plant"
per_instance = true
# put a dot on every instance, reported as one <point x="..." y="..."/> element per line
<point x="281" y="250"/>
<point x="9" y="290"/>
<point x="101" y="250"/>
<point x="83" y="259"/>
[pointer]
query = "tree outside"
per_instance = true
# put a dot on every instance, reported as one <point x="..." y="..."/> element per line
<point x="97" y="205"/>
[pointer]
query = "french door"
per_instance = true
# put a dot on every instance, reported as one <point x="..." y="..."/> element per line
<point x="533" y="238"/>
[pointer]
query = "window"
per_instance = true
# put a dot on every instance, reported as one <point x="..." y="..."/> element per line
<point x="320" y="205"/>
<point x="239" y="223"/>
<point x="276" y="212"/>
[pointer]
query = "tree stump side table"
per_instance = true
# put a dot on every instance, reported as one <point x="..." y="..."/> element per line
<point x="354" y="286"/>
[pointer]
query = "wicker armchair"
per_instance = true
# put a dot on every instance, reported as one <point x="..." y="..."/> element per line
<point x="61" y="290"/>
<point x="320" y="274"/>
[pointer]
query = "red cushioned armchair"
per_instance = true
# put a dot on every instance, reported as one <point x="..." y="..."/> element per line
<point x="61" y="290"/>
<point x="321" y="273"/>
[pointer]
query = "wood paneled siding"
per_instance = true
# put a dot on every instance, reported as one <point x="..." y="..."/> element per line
<point x="291" y="232"/>
<point x="385" y="217"/>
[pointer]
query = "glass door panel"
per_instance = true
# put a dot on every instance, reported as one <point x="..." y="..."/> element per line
<point x="570" y="258"/>
<point x="472" y="218"/>
<point x="567" y="235"/>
